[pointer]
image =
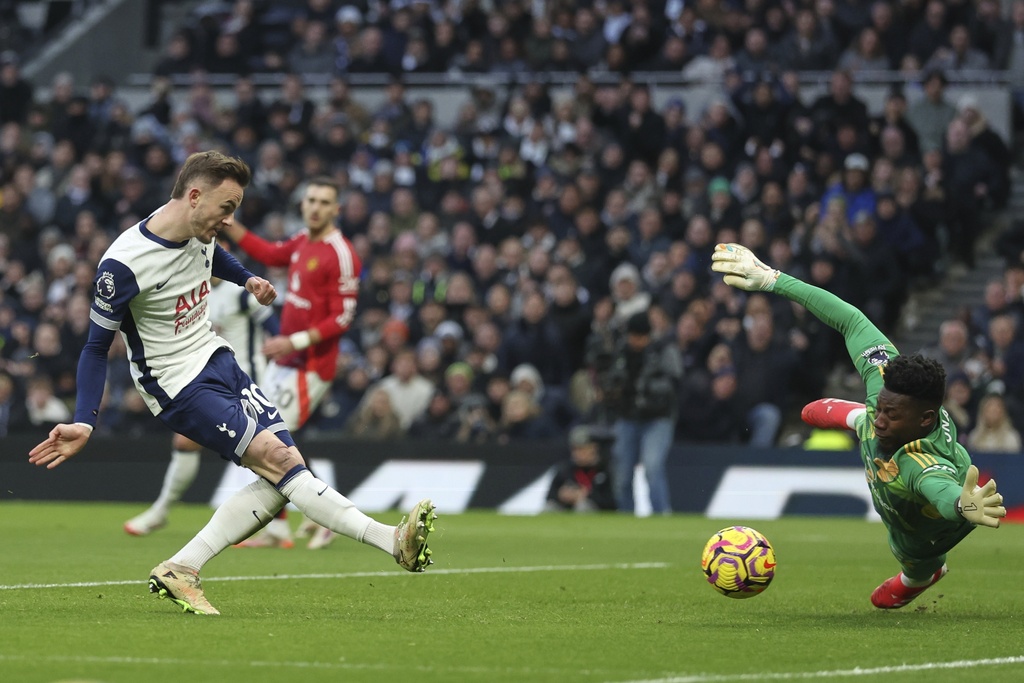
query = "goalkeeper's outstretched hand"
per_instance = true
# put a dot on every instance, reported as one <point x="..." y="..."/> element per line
<point x="742" y="269"/>
<point x="980" y="505"/>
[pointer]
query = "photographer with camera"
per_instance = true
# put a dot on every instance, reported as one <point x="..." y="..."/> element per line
<point x="637" y="386"/>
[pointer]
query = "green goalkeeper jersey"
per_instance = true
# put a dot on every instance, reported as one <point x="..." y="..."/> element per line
<point x="916" y="490"/>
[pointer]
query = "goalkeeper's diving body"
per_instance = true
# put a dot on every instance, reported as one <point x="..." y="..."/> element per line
<point x="922" y="481"/>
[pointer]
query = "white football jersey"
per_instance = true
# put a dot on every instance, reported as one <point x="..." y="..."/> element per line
<point x="156" y="293"/>
<point x="238" y="319"/>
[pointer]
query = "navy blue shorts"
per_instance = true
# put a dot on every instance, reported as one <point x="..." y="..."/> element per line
<point x="223" y="409"/>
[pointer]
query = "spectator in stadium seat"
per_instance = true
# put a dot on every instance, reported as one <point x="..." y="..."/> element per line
<point x="930" y="32"/>
<point x="959" y="56"/>
<point x="375" y="419"/>
<point x="991" y="143"/>
<point x="994" y="432"/>
<point x="931" y="115"/>
<point x="583" y="482"/>
<point x="866" y="54"/>
<point x="16" y="93"/>
<point x="439" y="421"/>
<point x="807" y="46"/>
<point x="177" y="58"/>
<point x="535" y="339"/>
<point x="853" y="190"/>
<point x="969" y="178"/>
<point x="953" y="350"/>
<point x="314" y="54"/>
<point x="992" y="33"/>
<point x="1003" y="352"/>
<point x="839" y="105"/>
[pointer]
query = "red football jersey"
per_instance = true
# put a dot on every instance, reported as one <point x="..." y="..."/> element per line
<point x="323" y="281"/>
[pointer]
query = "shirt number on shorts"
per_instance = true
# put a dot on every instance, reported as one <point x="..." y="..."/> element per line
<point x="254" y="399"/>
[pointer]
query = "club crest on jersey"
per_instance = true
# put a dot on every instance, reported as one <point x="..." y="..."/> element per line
<point x="876" y="355"/>
<point x="312" y="263"/>
<point x="105" y="285"/>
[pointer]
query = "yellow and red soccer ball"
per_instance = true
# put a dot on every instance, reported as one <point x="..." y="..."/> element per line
<point x="738" y="562"/>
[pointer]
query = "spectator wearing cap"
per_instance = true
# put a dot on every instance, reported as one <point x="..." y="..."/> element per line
<point x="450" y="335"/>
<point x="553" y="400"/>
<point x="931" y="115"/>
<point x="627" y="293"/>
<point x="722" y="210"/>
<point x="582" y="483"/>
<point x="16" y="93"/>
<point x="853" y="190"/>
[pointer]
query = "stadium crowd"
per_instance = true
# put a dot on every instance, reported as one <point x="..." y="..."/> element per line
<point x="505" y="255"/>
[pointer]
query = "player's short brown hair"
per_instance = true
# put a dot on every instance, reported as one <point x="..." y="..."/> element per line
<point x="324" y="181"/>
<point x="212" y="168"/>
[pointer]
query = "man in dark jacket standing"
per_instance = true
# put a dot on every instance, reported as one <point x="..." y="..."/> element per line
<point x="640" y="389"/>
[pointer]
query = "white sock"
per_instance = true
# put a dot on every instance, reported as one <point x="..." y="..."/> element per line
<point x="237" y="519"/>
<point x="915" y="583"/>
<point x="328" y="508"/>
<point x="180" y="475"/>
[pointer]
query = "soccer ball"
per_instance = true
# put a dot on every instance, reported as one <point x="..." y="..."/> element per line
<point x="738" y="562"/>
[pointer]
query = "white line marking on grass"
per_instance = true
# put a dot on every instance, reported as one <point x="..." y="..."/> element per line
<point x="341" y="664"/>
<point x="358" y="575"/>
<point x="836" y="673"/>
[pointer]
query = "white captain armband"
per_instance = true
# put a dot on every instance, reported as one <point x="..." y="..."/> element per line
<point x="300" y="340"/>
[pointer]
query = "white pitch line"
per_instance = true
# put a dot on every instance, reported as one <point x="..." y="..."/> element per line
<point x="357" y="575"/>
<point x="519" y="672"/>
<point x="835" y="673"/>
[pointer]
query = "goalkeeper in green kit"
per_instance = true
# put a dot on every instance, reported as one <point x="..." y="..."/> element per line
<point x="922" y="481"/>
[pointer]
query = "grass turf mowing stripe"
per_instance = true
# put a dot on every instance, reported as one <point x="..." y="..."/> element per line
<point x="695" y="678"/>
<point x="357" y="575"/>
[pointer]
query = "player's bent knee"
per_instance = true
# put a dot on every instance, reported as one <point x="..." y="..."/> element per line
<point x="269" y="457"/>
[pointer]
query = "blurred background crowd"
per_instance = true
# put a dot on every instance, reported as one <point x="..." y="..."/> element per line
<point x="509" y="256"/>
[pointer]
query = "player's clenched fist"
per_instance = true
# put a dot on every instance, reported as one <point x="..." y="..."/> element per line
<point x="261" y="289"/>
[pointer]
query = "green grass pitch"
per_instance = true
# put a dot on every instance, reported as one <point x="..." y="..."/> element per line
<point x="595" y="599"/>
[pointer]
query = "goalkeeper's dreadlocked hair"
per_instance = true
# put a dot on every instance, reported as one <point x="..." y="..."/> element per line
<point x="918" y="377"/>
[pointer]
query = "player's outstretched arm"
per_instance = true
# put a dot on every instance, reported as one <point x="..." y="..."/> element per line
<point x="867" y="346"/>
<point x="980" y="505"/>
<point x="63" y="442"/>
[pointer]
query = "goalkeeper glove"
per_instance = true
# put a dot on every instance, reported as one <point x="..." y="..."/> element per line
<point x="742" y="269"/>
<point x="980" y="504"/>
